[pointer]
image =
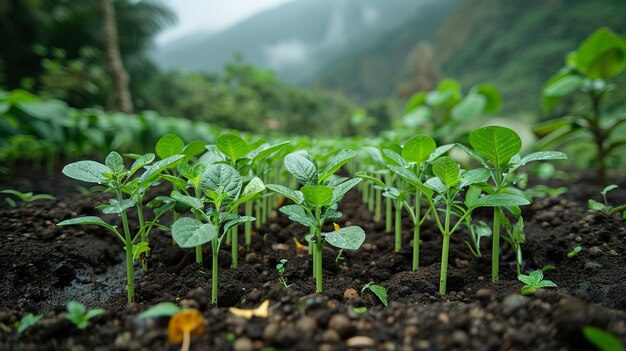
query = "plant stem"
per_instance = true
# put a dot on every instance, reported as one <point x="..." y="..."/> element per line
<point x="144" y="235"/>
<point x="416" y="231"/>
<point x="130" y="269"/>
<point x="248" y="225"/>
<point x="214" y="268"/>
<point x="318" y="252"/>
<point x="495" y="248"/>
<point x="257" y="212"/>
<point x="378" y="207"/>
<point x="199" y="259"/>
<point x="370" y="200"/>
<point x="388" y="215"/>
<point x="398" y="226"/>
<point x="443" y="275"/>
<point x="234" y="245"/>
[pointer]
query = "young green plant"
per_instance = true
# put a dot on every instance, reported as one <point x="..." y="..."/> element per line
<point x="79" y="315"/>
<point x="24" y="197"/>
<point x="534" y="281"/>
<point x="604" y="208"/>
<point x="121" y="181"/>
<point x="316" y="203"/>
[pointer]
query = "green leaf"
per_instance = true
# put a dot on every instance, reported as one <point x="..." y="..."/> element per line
<point x="115" y="162"/>
<point x="608" y="188"/>
<point x="317" y="195"/>
<point x="88" y="171"/>
<point x="563" y="86"/>
<point x="232" y="146"/>
<point x="419" y="148"/>
<point x="88" y="220"/>
<point x="546" y="284"/>
<point x="297" y="214"/>
<point x="365" y="176"/>
<point x="163" y="309"/>
<point x="301" y="168"/>
<point x="194" y="148"/>
<point x="237" y="220"/>
<point x="527" y="290"/>
<point x="153" y="171"/>
<point x="540" y="156"/>
<point x="492" y="96"/>
<point x="602" y="339"/>
<point x="169" y="145"/>
<point x="179" y="183"/>
<point x="500" y="200"/>
<point x="190" y="201"/>
<point x="393" y="158"/>
<point x="341" y="189"/>
<point x="411" y="178"/>
<point x="141" y="162"/>
<point x="117" y="207"/>
<point x="190" y="232"/>
<point x="601" y="55"/>
<point x="268" y="151"/>
<point x="349" y="238"/>
<point x="447" y="170"/>
<point x="379" y="291"/>
<point x="222" y="179"/>
<point x="474" y="176"/>
<point x="469" y="108"/>
<point x="293" y="195"/>
<point x="415" y="101"/>
<point x="342" y="157"/>
<point x="596" y="206"/>
<point x="495" y="143"/>
<point x="254" y="187"/>
<point x="29" y="320"/>
<point x="139" y="248"/>
<point x="435" y="184"/>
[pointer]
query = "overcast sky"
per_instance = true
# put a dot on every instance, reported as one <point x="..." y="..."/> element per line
<point x="211" y="15"/>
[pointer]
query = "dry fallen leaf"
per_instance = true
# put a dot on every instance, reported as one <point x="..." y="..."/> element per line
<point x="262" y="311"/>
<point x="336" y="226"/>
<point x="183" y="325"/>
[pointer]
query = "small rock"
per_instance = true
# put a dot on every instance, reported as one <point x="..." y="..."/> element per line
<point x="613" y="253"/>
<point x="368" y="247"/>
<point x="410" y="332"/>
<point x="250" y="257"/>
<point x="270" y="331"/>
<point x="593" y="265"/>
<point x="578" y="239"/>
<point x="350" y="294"/>
<point x="341" y="324"/>
<point x="331" y="337"/>
<point x="595" y="251"/>
<point x="443" y="318"/>
<point x="306" y="325"/>
<point x="243" y="344"/>
<point x="190" y="303"/>
<point x="461" y="263"/>
<point x="360" y="341"/>
<point x="460" y="338"/>
<point x="512" y="303"/>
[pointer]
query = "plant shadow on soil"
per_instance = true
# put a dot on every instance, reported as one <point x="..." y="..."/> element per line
<point x="44" y="266"/>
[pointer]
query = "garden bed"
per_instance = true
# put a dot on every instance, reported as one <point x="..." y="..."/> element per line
<point x="44" y="266"/>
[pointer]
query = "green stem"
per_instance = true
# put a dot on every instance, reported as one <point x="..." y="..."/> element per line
<point x="234" y="244"/>
<point x="144" y="235"/>
<point x="443" y="276"/>
<point x="318" y="252"/>
<point x="378" y="207"/>
<point x="388" y="215"/>
<point x="214" y="268"/>
<point x="370" y="199"/>
<point x="495" y="248"/>
<point x="130" y="270"/>
<point x="248" y="225"/>
<point x="257" y="212"/>
<point x="398" y="226"/>
<point x="416" y="232"/>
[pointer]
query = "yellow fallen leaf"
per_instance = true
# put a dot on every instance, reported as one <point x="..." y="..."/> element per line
<point x="337" y="227"/>
<point x="298" y="244"/>
<point x="262" y="311"/>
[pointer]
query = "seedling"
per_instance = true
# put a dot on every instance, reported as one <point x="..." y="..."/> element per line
<point x="534" y="281"/>
<point x="378" y="290"/>
<point x="497" y="148"/>
<point x="119" y="180"/>
<point x="183" y="325"/>
<point x="78" y="314"/>
<point x="514" y="235"/>
<point x="316" y="203"/>
<point x="163" y="309"/>
<point x="24" y="197"/>
<point x="575" y="251"/>
<point x="476" y="232"/>
<point x="602" y="339"/>
<point x="604" y="208"/>
<point x="280" y="267"/>
<point x="29" y="320"/>
<point x="219" y="192"/>
<point x="589" y="70"/>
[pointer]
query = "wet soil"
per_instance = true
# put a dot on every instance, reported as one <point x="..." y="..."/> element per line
<point x="43" y="266"/>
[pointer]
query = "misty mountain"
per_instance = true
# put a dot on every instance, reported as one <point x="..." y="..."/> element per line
<point x="298" y="39"/>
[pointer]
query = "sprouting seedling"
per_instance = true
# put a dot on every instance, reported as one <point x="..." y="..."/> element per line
<point x="604" y="208"/>
<point x="476" y="231"/>
<point x="378" y="290"/>
<point x="28" y="320"/>
<point x="497" y="148"/>
<point x="220" y="189"/>
<point x="447" y="184"/>
<point x="24" y="197"/>
<point x="280" y="267"/>
<point x="316" y="202"/>
<point x="602" y="339"/>
<point x="534" y="281"/>
<point x="514" y="235"/>
<point x="128" y="192"/>
<point x="78" y="314"/>
<point x="575" y="251"/>
<point x="183" y="325"/>
<point x="417" y="154"/>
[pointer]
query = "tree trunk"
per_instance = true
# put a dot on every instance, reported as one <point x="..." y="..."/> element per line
<point x="119" y="76"/>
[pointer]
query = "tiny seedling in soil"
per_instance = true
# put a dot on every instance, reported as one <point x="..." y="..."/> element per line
<point x="378" y="290"/>
<point x="24" y="197"/>
<point x="574" y="251"/>
<point x="604" y="208"/>
<point x="602" y="339"/>
<point x="534" y="281"/>
<point x="183" y="325"/>
<point x="280" y="267"/>
<point x="163" y="309"/>
<point x="29" y="320"/>
<point x="78" y="314"/>
<point x="316" y="202"/>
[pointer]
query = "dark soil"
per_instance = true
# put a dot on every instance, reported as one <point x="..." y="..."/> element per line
<point x="43" y="266"/>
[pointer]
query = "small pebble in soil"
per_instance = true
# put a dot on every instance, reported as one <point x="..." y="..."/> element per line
<point x="461" y="263"/>
<point x="595" y="251"/>
<point x="243" y="344"/>
<point x="350" y="294"/>
<point x="270" y="331"/>
<point x="360" y="341"/>
<point x="341" y="324"/>
<point x="331" y="337"/>
<point x="593" y="265"/>
<point x="307" y="326"/>
<point x="613" y="253"/>
<point x="512" y="303"/>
